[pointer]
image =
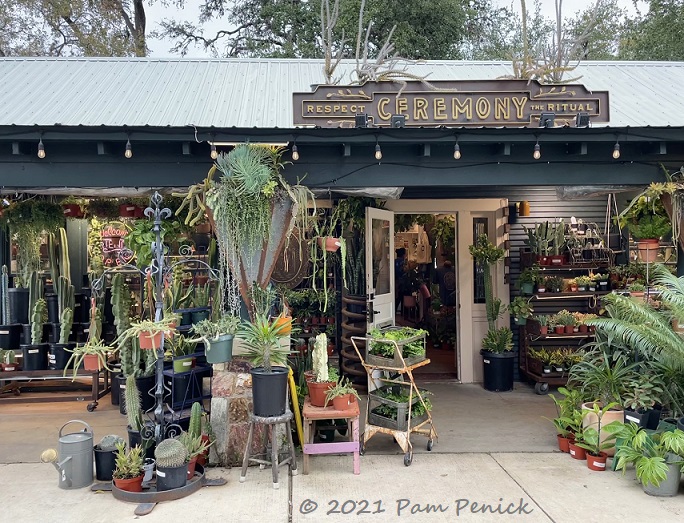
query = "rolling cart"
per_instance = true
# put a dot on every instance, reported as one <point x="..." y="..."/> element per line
<point x="398" y="367"/>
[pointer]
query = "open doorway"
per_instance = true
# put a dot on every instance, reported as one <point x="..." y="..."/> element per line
<point x="426" y="286"/>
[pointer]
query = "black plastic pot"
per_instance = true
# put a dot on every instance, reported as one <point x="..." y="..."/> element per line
<point x="58" y="357"/>
<point x="183" y="390"/>
<point x="35" y="357"/>
<point x="19" y="301"/>
<point x="199" y="315"/>
<point x="26" y="333"/>
<point x="169" y="478"/>
<point x="269" y="391"/>
<point x="10" y="336"/>
<point x="498" y="370"/>
<point x="118" y="388"/>
<point x="202" y="241"/>
<point x="80" y="311"/>
<point x="134" y="439"/>
<point x="680" y="423"/>
<point x="52" y="308"/>
<point x="105" y="463"/>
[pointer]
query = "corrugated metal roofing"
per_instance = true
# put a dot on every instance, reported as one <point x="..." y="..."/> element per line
<point x="258" y="93"/>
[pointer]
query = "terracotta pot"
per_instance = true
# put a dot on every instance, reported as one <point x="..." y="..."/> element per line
<point x="317" y="392"/>
<point x="129" y="485"/>
<point x="590" y="420"/>
<point x="543" y="329"/>
<point x="559" y="329"/>
<point x="584" y="328"/>
<point x="577" y="452"/>
<point x="563" y="443"/>
<point x="569" y="329"/>
<point x="597" y="463"/>
<point x="344" y="402"/>
<point x="72" y="210"/>
<point x="573" y="288"/>
<point x="309" y="376"/>
<point x="648" y="249"/>
<point x="91" y="362"/>
<point x="191" y="467"/>
<point x="149" y="342"/>
<point x="329" y="243"/>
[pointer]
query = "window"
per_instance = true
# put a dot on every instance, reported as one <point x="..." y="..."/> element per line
<point x="480" y="226"/>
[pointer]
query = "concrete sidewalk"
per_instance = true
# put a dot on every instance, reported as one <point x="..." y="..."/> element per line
<point x="540" y="487"/>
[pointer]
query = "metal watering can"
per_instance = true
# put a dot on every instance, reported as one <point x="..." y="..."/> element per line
<point x="74" y="458"/>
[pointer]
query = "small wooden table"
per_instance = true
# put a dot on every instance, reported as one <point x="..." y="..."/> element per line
<point x="311" y="414"/>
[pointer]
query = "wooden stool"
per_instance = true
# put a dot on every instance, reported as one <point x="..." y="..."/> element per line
<point x="271" y="422"/>
<point x="311" y="414"/>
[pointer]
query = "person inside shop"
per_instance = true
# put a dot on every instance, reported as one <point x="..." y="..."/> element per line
<point x="399" y="274"/>
<point x="445" y="276"/>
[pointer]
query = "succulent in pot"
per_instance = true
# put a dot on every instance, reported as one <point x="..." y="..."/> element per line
<point x="217" y="337"/>
<point x="128" y="472"/>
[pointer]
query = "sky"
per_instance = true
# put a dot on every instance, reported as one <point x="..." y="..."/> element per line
<point x="160" y="48"/>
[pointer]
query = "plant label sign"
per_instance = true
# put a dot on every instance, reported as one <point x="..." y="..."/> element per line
<point x="114" y="251"/>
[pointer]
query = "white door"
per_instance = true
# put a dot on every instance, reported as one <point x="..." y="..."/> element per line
<point x="380" y="267"/>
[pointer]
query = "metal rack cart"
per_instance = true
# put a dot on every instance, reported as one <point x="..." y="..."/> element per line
<point x="398" y="367"/>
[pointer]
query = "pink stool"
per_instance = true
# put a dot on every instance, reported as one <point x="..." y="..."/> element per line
<point x="311" y="414"/>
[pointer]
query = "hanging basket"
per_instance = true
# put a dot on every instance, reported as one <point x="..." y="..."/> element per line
<point x="149" y="341"/>
<point x="92" y="362"/>
<point x="329" y="243"/>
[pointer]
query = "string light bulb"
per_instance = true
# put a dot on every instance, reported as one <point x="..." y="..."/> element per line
<point x="616" y="151"/>
<point x="41" y="149"/>
<point x="129" y="150"/>
<point x="537" y="151"/>
<point x="378" y="151"/>
<point x="214" y="152"/>
<point x="457" y="151"/>
<point x="295" y="152"/>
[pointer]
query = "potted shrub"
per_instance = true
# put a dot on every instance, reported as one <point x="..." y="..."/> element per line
<point x="647" y="221"/>
<point x="637" y="289"/>
<point x="565" y="407"/>
<point x="583" y="283"/>
<point x="268" y="353"/>
<point x="322" y="381"/>
<point x="554" y="284"/>
<point x="171" y="459"/>
<point x="342" y="394"/>
<point x="575" y="425"/>
<point x="567" y="320"/>
<point x="640" y="398"/>
<point x="128" y="471"/>
<point x="105" y="456"/>
<point x="528" y="278"/>
<point x="521" y="309"/>
<point x="217" y="337"/>
<point x="601" y="281"/>
<point x="658" y="457"/>
<point x="592" y="443"/>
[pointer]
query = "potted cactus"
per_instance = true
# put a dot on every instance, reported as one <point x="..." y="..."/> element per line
<point x="139" y="431"/>
<point x="171" y="458"/>
<point x="35" y="353"/>
<point x="195" y="446"/>
<point x="105" y="456"/>
<point x="10" y="333"/>
<point x="128" y="471"/>
<point x="60" y="269"/>
<point x="322" y="382"/>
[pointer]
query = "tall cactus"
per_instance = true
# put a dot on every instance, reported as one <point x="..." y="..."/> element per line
<point x="37" y="321"/>
<point x="133" y="407"/>
<point x="35" y="292"/>
<point x="195" y="426"/>
<point x="4" y="296"/>
<point x="66" y="320"/>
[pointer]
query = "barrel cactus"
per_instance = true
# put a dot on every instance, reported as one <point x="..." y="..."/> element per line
<point x="109" y="442"/>
<point x="170" y="453"/>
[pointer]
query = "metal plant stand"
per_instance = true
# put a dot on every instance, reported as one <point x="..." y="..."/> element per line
<point x="159" y="429"/>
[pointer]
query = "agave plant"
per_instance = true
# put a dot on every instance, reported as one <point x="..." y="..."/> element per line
<point x="261" y="339"/>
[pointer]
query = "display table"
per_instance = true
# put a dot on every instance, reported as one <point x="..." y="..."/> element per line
<point x="312" y="414"/>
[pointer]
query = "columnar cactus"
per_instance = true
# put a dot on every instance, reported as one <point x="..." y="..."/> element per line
<point x="170" y="453"/>
<point x="37" y="322"/>
<point x="66" y="321"/>
<point x="133" y="408"/>
<point x="4" y="296"/>
<point x="35" y="292"/>
<point x="319" y="358"/>
<point x="195" y="426"/>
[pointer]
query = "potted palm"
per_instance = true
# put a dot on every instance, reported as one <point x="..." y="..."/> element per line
<point x="218" y="337"/>
<point x="267" y="350"/>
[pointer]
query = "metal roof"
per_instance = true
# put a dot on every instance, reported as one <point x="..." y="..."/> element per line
<point x="248" y="93"/>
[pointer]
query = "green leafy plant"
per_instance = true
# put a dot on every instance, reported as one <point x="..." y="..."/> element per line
<point x="554" y="284"/>
<point x="591" y="435"/>
<point x="381" y="342"/>
<point x="498" y="340"/>
<point x="583" y="281"/>
<point x="543" y="319"/>
<point x="520" y="308"/>
<point x="194" y="445"/>
<point x="564" y="318"/>
<point x="566" y="406"/>
<point x="211" y="330"/>
<point x="94" y="347"/>
<point x="340" y="388"/>
<point x="530" y="275"/>
<point x="645" y="218"/>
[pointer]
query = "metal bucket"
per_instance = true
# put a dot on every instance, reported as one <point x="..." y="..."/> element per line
<point x="75" y="457"/>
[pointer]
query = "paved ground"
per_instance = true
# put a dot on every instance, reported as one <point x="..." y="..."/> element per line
<point x="495" y="452"/>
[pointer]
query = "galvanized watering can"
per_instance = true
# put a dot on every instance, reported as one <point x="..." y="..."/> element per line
<point x="74" y="458"/>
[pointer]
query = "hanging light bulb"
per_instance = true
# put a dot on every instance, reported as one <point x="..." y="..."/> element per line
<point x="129" y="150"/>
<point x="295" y="152"/>
<point x="41" y="149"/>
<point x="457" y="151"/>
<point x="214" y="152"/>
<point x="378" y="152"/>
<point x="537" y="151"/>
<point x="616" y="151"/>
